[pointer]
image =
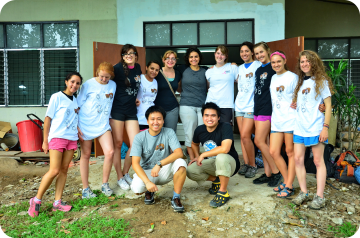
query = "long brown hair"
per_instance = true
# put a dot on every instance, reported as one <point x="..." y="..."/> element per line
<point x="125" y="49"/>
<point x="317" y="72"/>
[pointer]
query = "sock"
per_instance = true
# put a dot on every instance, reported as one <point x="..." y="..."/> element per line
<point x="57" y="202"/>
<point x="37" y="200"/>
<point x="216" y="180"/>
<point x="176" y="195"/>
<point x="223" y="193"/>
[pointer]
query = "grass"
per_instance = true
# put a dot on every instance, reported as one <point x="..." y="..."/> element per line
<point x="344" y="230"/>
<point x="295" y="213"/>
<point x="60" y="224"/>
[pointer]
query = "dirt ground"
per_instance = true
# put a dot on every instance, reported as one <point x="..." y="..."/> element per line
<point x="253" y="211"/>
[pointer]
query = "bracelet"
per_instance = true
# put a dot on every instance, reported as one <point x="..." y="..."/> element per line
<point x="327" y="126"/>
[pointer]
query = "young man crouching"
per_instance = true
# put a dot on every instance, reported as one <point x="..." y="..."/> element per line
<point x="153" y="162"/>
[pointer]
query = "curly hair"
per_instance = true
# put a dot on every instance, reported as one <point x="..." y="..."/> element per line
<point x="188" y="52"/>
<point x="125" y="49"/>
<point x="317" y="72"/>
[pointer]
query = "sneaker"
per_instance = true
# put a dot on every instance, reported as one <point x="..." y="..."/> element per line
<point x="34" y="208"/>
<point x="220" y="199"/>
<point x="317" y="202"/>
<point x="123" y="184"/>
<point x="250" y="173"/>
<point x="301" y="197"/>
<point x="105" y="189"/>
<point x="62" y="206"/>
<point x="215" y="186"/>
<point x="176" y="204"/>
<point x="262" y="179"/>
<point x="276" y="179"/>
<point x="149" y="198"/>
<point x="88" y="193"/>
<point x="243" y="169"/>
<point x="128" y="179"/>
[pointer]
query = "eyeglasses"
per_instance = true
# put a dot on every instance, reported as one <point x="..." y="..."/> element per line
<point x="170" y="59"/>
<point x="129" y="54"/>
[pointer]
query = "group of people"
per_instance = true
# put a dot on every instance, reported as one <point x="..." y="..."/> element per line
<point x="274" y="104"/>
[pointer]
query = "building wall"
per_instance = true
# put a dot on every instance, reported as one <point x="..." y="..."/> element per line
<point x="269" y="15"/>
<point x="97" y="22"/>
<point x="312" y="18"/>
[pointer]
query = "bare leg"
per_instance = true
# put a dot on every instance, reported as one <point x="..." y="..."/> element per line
<point x="299" y="154"/>
<point x="179" y="179"/>
<point x="106" y="142"/>
<point x="84" y="162"/>
<point x="318" y="152"/>
<point x="132" y="129"/>
<point x="61" y="178"/>
<point x="244" y="152"/>
<point x="247" y="129"/>
<point x="190" y="152"/>
<point x="276" y="142"/>
<point x="223" y="183"/>
<point x="117" y="133"/>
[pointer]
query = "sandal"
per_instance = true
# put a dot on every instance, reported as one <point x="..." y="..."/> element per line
<point x="279" y="188"/>
<point x="289" y="192"/>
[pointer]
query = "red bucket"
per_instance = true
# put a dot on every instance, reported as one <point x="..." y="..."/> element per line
<point x="30" y="135"/>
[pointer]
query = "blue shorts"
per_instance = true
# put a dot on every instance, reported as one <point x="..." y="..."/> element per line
<point x="307" y="141"/>
<point x="287" y="132"/>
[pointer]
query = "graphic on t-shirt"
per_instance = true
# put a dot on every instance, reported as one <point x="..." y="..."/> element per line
<point x="103" y="102"/>
<point x="305" y="92"/>
<point x="131" y="91"/>
<point x="153" y="90"/>
<point x="226" y="72"/>
<point x="245" y="87"/>
<point x="160" y="147"/>
<point x="71" y="124"/>
<point x="279" y="91"/>
<point x="209" y="145"/>
<point x="146" y="99"/>
<point x="263" y="77"/>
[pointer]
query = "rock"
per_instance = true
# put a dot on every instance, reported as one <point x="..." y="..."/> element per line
<point x="190" y="236"/>
<point x="245" y="231"/>
<point x="9" y="186"/>
<point x="344" y="189"/>
<point x="190" y="215"/>
<point x="305" y="206"/>
<point x="220" y="229"/>
<point x="131" y="210"/>
<point x="338" y="221"/>
<point x="188" y="231"/>
<point x="150" y="230"/>
<point x="351" y="209"/>
<point x="23" y="213"/>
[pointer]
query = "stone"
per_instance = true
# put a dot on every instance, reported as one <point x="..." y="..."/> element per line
<point x="338" y="220"/>
<point x="220" y="229"/>
<point x="150" y="230"/>
<point x="188" y="231"/>
<point x="23" y="213"/>
<point x="351" y="209"/>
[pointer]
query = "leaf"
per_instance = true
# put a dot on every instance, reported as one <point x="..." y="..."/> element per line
<point x="293" y="224"/>
<point x="347" y="202"/>
<point x="292" y="217"/>
<point x="65" y="220"/>
<point x="205" y="218"/>
<point x="310" y="224"/>
<point x="77" y="194"/>
<point x="228" y="209"/>
<point x="1" y="215"/>
<point x="152" y="225"/>
<point x="65" y="231"/>
<point x="112" y="198"/>
<point x="3" y="230"/>
<point x="163" y="223"/>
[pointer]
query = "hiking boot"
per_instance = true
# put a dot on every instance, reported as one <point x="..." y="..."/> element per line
<point x="317" y="202"/>
<point x="149" y="198"/>
<point x="34" y="208"/>
<point x="215" y="186"/>
<point x="88" y="193"/>
<point x="220" y="199"/>
<point x="276" y="179"/>
<point x="262" y="179"/>
<point x="61" y="206"/>
<point x="123" y="184"/>
<point x="128" y="179"/>
<point x="243" y="169"/>
<point x="250" y="173"/>
<point x="176" y="204"/>
<point x="301" y="197"/>
<point x="105" y="189"/>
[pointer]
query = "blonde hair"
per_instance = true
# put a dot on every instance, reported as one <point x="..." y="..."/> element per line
<point x="107" y="67"/>
<point x="169" y="52"/>
<point x="224" y="51"/>
<point x="264" y="46"/>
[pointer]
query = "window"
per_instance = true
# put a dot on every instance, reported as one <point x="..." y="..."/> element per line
<point x="36" y="57"/>
<point x="335" y="49"/>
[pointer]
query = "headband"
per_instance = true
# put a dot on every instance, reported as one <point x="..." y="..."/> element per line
<point x="278" y="53"/>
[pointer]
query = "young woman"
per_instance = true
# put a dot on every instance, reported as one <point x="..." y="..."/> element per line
<point x="147" y="92"/>
<point x="262" y="115"/>
<point x="221" y="79"/>
<point x="282" y="88"/>
<point x="123" y="113"/>
<point x="244" y="107"/>
<point x="95" y="101"/>
<point x="193" y="95"/>
<point x="165" y="97"/>
<point x="60" y="139"/>
<point x="311" y="128"/>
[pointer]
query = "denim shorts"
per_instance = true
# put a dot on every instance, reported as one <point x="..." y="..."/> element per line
<point x="287" y="132"/>
<point x="307" y="141"/>
<point x="244" y="114"/>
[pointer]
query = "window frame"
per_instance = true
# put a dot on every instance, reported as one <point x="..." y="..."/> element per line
<point x="41" y="50"/>
<point x="225" y="21"/>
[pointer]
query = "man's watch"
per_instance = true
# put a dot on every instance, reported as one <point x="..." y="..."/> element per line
<point x="159" y="163"/>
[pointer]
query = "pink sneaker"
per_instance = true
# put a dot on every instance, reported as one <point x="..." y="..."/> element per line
<point x="34" y="208"/>
<point x="61" y="207"/>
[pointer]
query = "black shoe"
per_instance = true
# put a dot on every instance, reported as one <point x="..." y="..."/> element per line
<point x="215" y="186"/>
<point x="262" y="179"/>
<point x="176" y="204"/>
<point x="276" y="179"/>
<point x="149" y="198"/>
<point x="220" y="199"/>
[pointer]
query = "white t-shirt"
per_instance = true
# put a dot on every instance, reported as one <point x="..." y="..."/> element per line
<point x="246" y="84"/>
<point x="146" y="94"/>
<point x="95" y="101"/>
<point x="64" y="117"/>
<point x="309" y="120"/>
<point x="221" y="89"/>
<point x="281" y="89"/>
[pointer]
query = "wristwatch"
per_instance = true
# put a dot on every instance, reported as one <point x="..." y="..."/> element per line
<point x="159" y="163"/>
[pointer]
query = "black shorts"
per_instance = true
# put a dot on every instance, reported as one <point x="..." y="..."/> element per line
<point x="226" y="115"/>
<point x="143" y="127"/>
<point x="123" y="117"/>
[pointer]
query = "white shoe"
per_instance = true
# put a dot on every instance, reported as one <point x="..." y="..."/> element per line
<point x="123" y="184"/>
<point x="128" y="179"/>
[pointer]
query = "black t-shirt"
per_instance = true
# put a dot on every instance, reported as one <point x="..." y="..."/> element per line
<point x="124" y="100"/>
<point x="262" y="97"/>
<point x="165" y="98"/>
<point x="210" y="140"/>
